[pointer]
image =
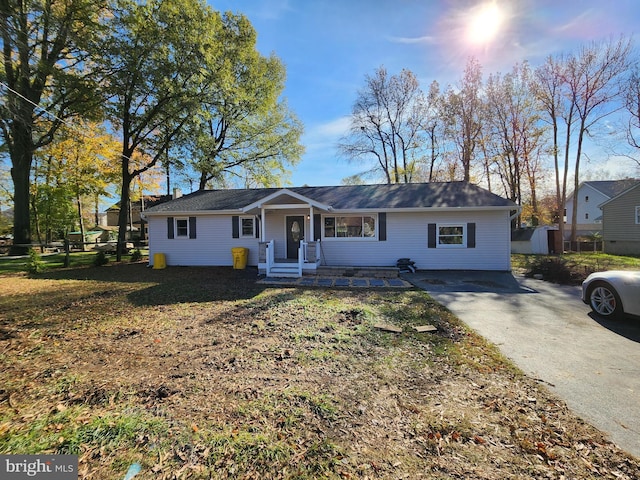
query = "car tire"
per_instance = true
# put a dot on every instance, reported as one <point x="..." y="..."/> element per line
<point x="604" y="300"/>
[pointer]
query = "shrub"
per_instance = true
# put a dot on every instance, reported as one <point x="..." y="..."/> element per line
<point x="35" y="264"/>
<point x="101" y="259"/>
<point x="552" y="269"/>
<point x="136" y="256"/>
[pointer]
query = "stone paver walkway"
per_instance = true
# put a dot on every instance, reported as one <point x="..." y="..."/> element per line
<point x="345" y="282"/>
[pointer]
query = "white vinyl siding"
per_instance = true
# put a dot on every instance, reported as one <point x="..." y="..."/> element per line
<point x="406" y="236"/>
<point x="588" y="211"/>
<point x="212" y="246"/>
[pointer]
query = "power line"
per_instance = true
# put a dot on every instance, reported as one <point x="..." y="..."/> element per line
<point x="38" y="106"/>
<point x="61" y="120"/>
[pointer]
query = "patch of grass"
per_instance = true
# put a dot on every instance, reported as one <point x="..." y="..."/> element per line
<point x="55" y="261"/>
<point x="70" y="430"/>
<point x="572" y="267"/>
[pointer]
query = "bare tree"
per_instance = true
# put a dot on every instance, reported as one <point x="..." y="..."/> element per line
<point x="559" y="112"/>
<point x="433" y="128"/>
<point x="593" y="79"/>
<point x="632" y="106"/>
<point x="386" y="126"/>
<point x="464" y="114"/>
<point x="513" y="118"/>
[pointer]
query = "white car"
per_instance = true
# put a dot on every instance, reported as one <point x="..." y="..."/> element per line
<point x="613" y="293"/>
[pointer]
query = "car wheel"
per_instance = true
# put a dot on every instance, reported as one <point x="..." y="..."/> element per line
<point x="604" y="300"/>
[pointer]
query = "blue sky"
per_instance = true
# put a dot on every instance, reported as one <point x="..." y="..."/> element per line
<point x="328" y="46"/>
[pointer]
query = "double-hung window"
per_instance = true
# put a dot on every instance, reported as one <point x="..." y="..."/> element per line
<point x="247" y="227"/>
<point x="182" y="227"/>
<point x="451" y="236"/>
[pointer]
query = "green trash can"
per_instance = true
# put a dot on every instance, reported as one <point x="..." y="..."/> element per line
<point x="240" y="257"/>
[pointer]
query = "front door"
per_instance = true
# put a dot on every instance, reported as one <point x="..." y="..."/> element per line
<point x="295" y="233"/>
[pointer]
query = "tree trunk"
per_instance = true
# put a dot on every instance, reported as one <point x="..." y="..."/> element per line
<point x="203" y="182"/>
<point x="22" y="157"/>
<point x="576" y="184"/>
<point x="123" y="216"/>
<point x="81" y="221"/>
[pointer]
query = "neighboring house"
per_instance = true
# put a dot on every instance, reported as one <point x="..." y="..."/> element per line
<point x="97" y="235"/>
<point x="590" y="196"/>
<point x="621" y="222"/>
<point x="136" y="223"/>
<point x="453" y="226"/>
<point x="536" y="240"/>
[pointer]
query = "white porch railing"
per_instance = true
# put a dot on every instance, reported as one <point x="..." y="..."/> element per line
<point x="288" y="268"/>
<point x="270" y="255"/>
<point x="302" y="256"/>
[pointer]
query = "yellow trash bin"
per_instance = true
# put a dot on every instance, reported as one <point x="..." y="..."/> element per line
<point x="240" y="257"/>
<point x="159" y="261"/>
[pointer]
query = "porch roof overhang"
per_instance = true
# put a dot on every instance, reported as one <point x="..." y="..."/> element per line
<point x="270" y="202"/>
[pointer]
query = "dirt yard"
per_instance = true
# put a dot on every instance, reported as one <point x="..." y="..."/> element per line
<point x="202" y="373"/>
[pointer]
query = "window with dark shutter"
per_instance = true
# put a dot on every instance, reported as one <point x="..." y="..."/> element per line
<point x="192" y="227"/>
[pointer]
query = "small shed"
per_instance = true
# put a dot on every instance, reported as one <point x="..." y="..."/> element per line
<point x="535" y="240"/>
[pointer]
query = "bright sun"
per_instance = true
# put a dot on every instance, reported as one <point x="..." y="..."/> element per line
<point x="484" y="23"/>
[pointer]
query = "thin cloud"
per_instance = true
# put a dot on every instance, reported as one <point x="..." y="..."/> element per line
<point x="424" y="40"/>
<point x="273" y="9"/>
<point x="578" y="23"/>
<point x="331" y="129"/>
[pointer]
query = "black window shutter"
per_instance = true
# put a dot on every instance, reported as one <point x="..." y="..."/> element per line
<point x="382" y="226"/>
<point x="192" y="227"/>
<point x="170" y="233"/>
<point x="471" y="235"/>
<point x="235" y="226"/>
<point x="317" y="226"/>
<point x="257" y="222"/>
<point x="431" y="229"/>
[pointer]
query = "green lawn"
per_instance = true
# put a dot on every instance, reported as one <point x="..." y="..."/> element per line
<point x="56" y="261"/>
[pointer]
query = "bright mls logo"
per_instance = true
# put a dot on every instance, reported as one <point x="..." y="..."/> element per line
<point x="49" y="467"/>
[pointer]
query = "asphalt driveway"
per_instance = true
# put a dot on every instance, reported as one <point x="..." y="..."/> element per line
<point x="591" y="363"/>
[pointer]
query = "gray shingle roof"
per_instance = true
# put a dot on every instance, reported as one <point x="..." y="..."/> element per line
<point x="612" y="188"/>
<point x="347" y="197"/>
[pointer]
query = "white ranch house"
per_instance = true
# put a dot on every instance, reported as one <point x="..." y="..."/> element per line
<point x="293" y="231"/>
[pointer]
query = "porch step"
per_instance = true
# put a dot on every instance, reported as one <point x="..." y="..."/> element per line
<point x="284" y="271"/>
<point x="347" y="271"/>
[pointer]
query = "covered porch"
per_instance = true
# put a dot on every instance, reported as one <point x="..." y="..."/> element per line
<point x="289" y="233"/>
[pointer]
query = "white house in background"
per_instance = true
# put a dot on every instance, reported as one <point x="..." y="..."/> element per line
<point x="589" y="197"/>
<point x="288" y="231"/>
